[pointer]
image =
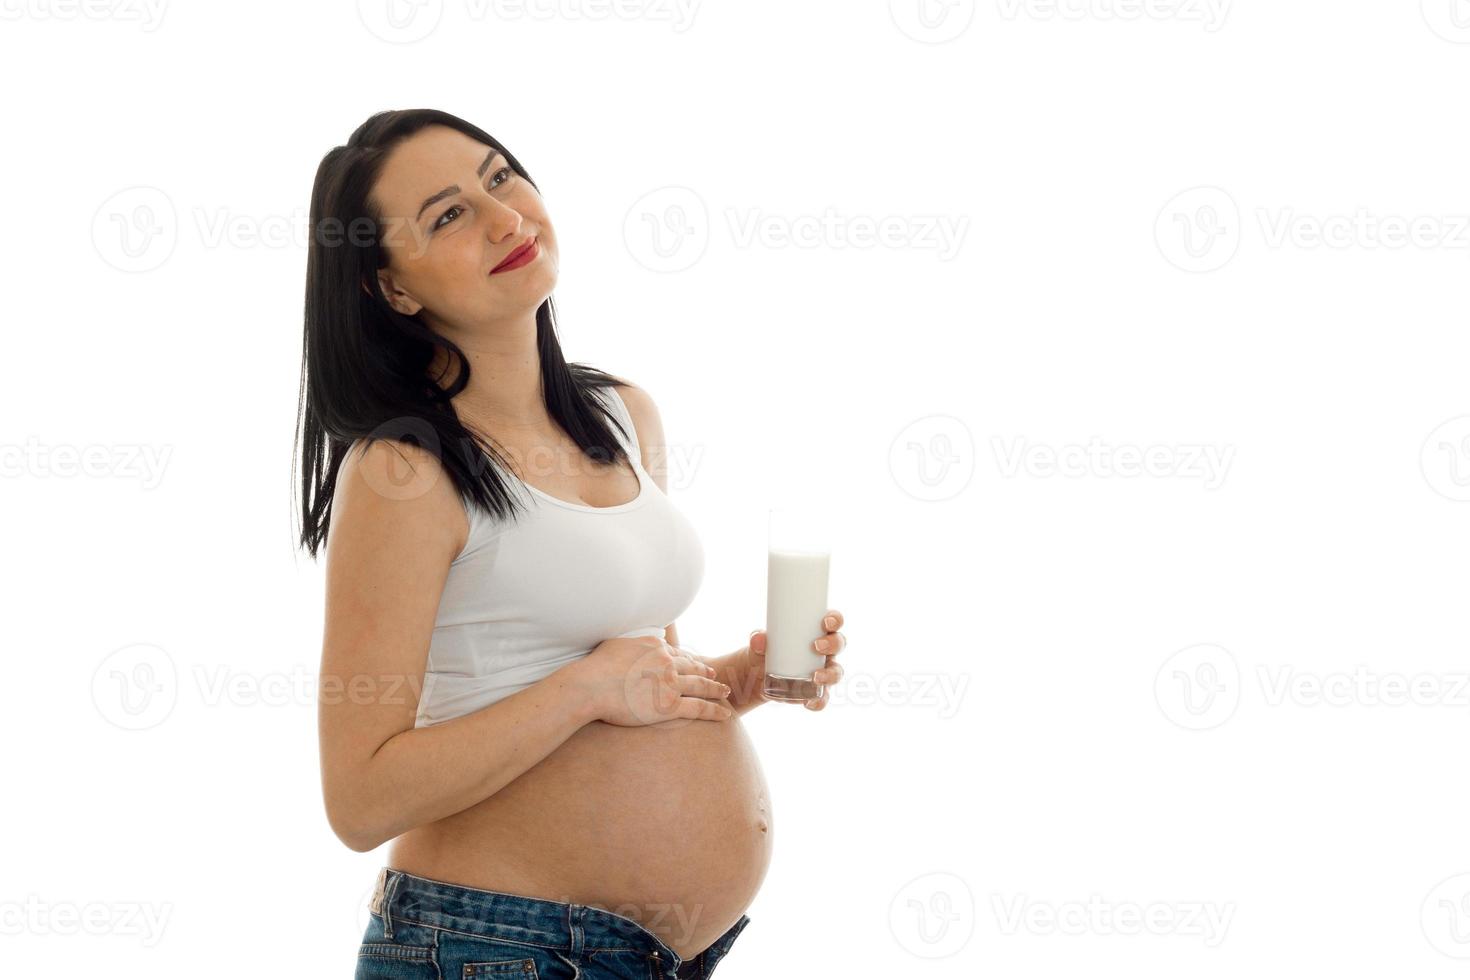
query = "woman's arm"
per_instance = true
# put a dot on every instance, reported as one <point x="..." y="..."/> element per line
<point x="423" y="774"/>
<point x="397" y="523"/>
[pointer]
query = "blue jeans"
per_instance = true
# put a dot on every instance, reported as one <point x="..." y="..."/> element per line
<point x="421" y="929"/>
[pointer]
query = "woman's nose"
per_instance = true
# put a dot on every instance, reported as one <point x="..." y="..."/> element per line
<point x="501" y="219"/>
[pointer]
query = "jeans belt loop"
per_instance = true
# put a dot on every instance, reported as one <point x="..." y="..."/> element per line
<point x="389" y="887"/>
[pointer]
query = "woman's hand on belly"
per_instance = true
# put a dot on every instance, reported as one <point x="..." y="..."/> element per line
<point x="637" y="681"/>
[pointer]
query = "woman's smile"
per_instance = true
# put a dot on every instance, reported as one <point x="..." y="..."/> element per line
<point x="523" y="255"/>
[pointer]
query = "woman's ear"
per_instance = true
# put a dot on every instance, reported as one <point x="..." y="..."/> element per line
<point x="397" y="298"/>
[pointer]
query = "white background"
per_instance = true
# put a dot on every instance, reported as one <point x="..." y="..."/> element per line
<point x="1230" y="231"/>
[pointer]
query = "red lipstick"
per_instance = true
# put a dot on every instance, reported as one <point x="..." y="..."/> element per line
<point x="523" y="254"/>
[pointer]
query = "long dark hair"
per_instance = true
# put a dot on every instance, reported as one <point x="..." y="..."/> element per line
<point x="364" y="365"/>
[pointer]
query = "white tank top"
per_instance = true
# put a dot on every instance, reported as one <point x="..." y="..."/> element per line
<point x="526" y="597"/>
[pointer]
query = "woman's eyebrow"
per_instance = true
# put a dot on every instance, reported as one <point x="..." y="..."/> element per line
<point x="454" y="188"/>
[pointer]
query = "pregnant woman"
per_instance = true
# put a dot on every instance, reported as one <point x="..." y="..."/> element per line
<point x="568" y="792"/>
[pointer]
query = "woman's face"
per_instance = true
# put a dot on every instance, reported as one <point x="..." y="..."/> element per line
<point x="451" y="214"/>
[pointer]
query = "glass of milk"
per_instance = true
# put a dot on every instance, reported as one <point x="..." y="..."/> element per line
<point x="800" y="543"/>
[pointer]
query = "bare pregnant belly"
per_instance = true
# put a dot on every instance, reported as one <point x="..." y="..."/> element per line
<point x="668" y="825"/>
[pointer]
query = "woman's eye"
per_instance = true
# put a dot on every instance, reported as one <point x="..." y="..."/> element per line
<point x="503" y="170"/>
<point x="440" y="223"/>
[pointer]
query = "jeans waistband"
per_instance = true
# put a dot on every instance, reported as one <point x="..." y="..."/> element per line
<point x="566" y="927"/>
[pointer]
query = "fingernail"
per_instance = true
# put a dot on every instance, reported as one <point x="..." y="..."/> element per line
<point x="821" y="644"/>
<point x="829" y="622"/>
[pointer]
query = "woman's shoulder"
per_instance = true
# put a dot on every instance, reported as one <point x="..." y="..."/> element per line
<point x="647" y="424"/>
<point x="387" y="479"/>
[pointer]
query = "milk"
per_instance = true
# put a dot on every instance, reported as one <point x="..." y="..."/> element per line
<point x="796" y="601"/>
